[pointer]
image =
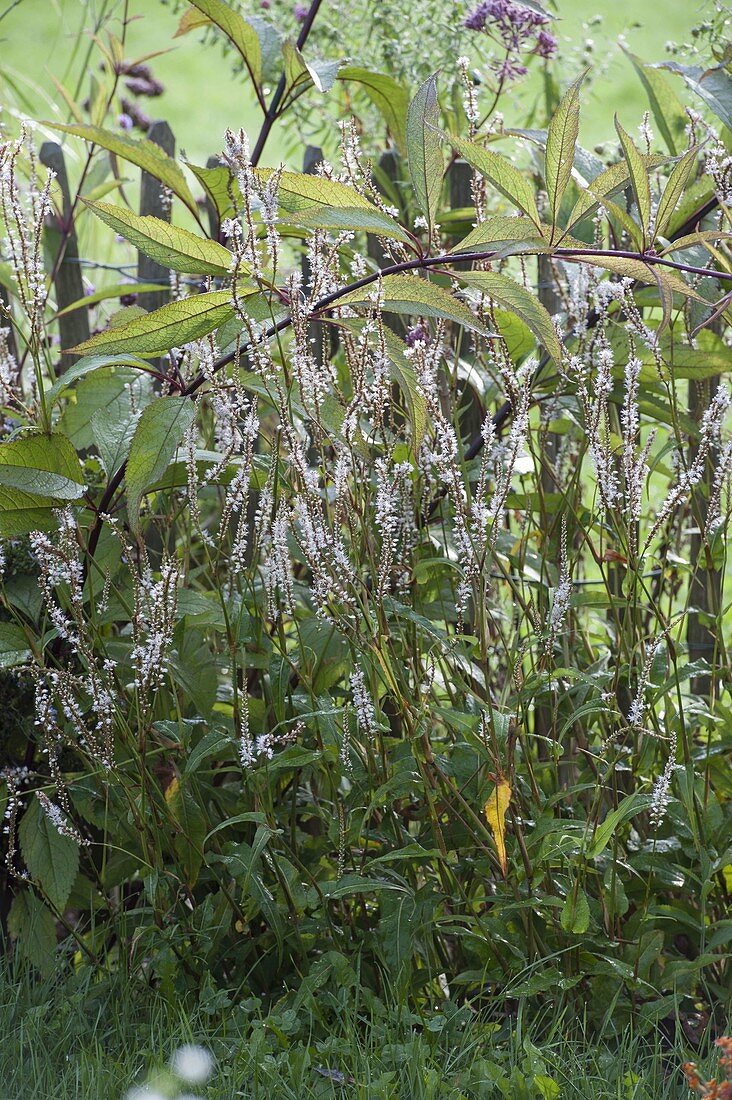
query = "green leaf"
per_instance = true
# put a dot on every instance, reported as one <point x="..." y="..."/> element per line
<point x="157" y="436"/>
<point x="191" y="20"/>
<point x="609" y="182"/>
<point x="52" y="859"/>
<point x="298" y="191"/>
<point x="424" y="148"/>
<point x="210" y="744"/>
<point x="604" y="833"/>
<point x="501" y="232"/>
<point x="32" y="924"/>
<point x="14" y="648"/>
<point x="673" y="191"/>
<point x="88" y="365"/>
<point x="171" y="326"/>
<point x="403" y="373"/>
<point x="575" y="915"/>
<point x="505" y="177"/>
<point x="638" y="177"/>
<point x="144" y="154"/>
<point x="713" y="85"/>
<point x="668" y="110"/>
<point x="515" y="298"/>
<point x="113" y="429"/>
<point x="561" y="139"/>
<point x="389" y="97"/>
<point x="299" y="74"/>
<point x="21" y="513"/>
<point x="219" y="185"/>
<point x="648" y="273"/>
<point x="116" y="291"/>
<point x="241" y="34"/>
<point x="43" y="465"/>
<point x="189" y="818"/>
<point x="355" y="218"/>
<point x="171" y="246"/>
<point x="415" y="296"/>
<point x="105" y="388"/>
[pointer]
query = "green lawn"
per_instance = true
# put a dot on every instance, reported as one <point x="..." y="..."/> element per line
<point x="70" y="1039"/>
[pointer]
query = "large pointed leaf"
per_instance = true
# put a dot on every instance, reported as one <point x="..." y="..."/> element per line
<point x="389" y="97"/>
<point x="118" y="290"/>
<point x="604" y="833"/>
<point x="51" y="859"/>
<point x="415" y="296"/>
<point x="607" y="183"/>
<point x="21" y="512"/>
<point x="32" y="925"/>
<point x="220" y="187"/>
<point x="14" y="648"/>
<point x="299" y="74"/>
<point x="355" y="218"/>
<point x="171" y="326"/>
<point x="496" y="809"/>
<point x="505" y="177"/>
<point x="500" y="232"/>
<point x="647" y="273"/>
<point x="674" y="189"/>
<point x="240" y="33"/>
<point x="512" y="296"/>
<point x="44" y="465"/>
<point x="191" y="822"/>
<point x="713" y="85"/>
<point x="299" y="191"/>
<point x="424" y="148"/>
<point x="88" y="365"/>
<point x="668" y="110"/>
<point x="561" y="139"/>
<point x="144" y="154"/>
<point x="171" y="246"/>
<point x="639" y="180"/>
<point x="159" y="432"/>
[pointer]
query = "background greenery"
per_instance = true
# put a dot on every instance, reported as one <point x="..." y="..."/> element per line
<point x="43" y="37"/>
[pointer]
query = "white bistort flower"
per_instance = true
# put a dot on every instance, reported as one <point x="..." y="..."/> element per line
<point x="193" y="1063"/>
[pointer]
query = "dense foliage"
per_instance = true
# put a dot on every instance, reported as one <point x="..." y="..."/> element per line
<point x="363" y="604"/>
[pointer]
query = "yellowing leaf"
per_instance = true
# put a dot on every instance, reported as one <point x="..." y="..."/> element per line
<point x="495" y="812"/>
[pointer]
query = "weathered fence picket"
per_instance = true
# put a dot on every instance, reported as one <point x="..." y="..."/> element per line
<point x="68" y="283"/>
<point x="155" y="201"/>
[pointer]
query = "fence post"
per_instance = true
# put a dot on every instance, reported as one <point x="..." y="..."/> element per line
<point x="69" y="287"/>
<point x="153" y="201"/>
<point x="705" y="589"/>
<point x="324" y="338"/>
<point x="214" y="222"/>
<point x="544" y="718"/>
<point x="5" y="321"/>
<point x="471" y="411"/>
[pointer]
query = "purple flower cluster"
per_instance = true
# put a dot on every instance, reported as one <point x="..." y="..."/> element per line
<point x="517" y="29"/>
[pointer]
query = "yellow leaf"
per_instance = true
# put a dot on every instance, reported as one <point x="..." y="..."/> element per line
<point x="495" y="812"/>
<point x="172" y="789"/>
